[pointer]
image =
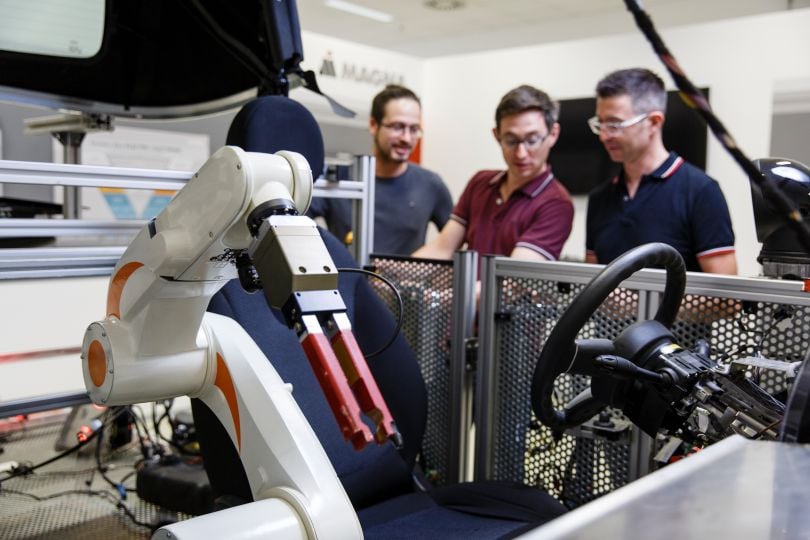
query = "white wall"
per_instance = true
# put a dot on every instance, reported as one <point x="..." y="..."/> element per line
<point x="741" y="60"/>
<point x="359" y="73"/>
<point x="46" y="315"/>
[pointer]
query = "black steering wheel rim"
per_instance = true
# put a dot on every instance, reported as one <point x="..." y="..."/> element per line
<point x="560" y="349"/>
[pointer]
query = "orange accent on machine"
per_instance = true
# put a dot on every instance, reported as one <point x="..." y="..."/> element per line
<point x="117" y="287"/>
<point x="224" y="382"/>
<point x="97" y="363"/>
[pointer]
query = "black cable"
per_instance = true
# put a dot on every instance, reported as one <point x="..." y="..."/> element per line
<point x="145" y="452"/>
<point x="119" y="487"/>
<point x="399" y="304"/>
<point x="157" y="420"/>
<point x="156" y="423"/>
<point x="94" y="493"/>
<point x="756" y="347"/>
<point x="696" y="100"/>
<point x="27" y="470"/>
<point x="20" y="471"/>
<point x="130" y="474"/>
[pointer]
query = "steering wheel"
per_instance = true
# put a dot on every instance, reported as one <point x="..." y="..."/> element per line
<point x="564" y="353"/>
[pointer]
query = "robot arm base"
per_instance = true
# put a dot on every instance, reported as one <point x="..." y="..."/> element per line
<point x="268" y="518"/>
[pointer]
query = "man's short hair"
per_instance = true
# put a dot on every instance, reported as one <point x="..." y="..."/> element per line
<point x="645" y="88"/>
<point x="527" y="98"/>
<point x="391" y="91"/>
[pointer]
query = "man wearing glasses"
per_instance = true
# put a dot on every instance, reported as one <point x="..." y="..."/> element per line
<point x="523" y="212"/>
<point x="657" y="196"/>
<point x="407" y="196"/>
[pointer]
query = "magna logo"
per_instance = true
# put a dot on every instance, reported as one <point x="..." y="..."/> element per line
<point x="357" y="73"/>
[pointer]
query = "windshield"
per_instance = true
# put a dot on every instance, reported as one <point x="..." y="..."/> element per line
<point x="63" y="28"/>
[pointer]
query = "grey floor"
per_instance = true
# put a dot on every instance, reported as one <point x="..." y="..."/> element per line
<point x="68" y="498"/>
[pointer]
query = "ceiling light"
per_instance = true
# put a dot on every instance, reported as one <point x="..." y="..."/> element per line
<point x="362" y="11"/>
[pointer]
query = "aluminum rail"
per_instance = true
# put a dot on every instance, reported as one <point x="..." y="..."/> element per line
<point x="63" y="262"/>
<point x="60" y="174"/>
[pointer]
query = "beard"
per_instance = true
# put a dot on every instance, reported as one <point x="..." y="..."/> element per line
<point x="393" y="153"/>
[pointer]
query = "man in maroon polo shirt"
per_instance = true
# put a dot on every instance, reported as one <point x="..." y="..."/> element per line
<point x="522" y="212"/>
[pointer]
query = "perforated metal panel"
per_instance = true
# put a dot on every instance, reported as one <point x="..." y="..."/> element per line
<point x="778" y="331"/>
<point x="576" y="468"/>
<point x="76" y="513"/>
<point x="427" y="296"/>
<point x="738" y="316"/>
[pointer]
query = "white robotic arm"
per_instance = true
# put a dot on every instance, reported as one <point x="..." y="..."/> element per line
<point x="238" y="216"/>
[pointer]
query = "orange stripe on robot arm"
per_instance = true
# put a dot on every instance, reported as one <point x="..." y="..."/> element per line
<point x="117" y="287"/>
<point x="224" y="382"/>
<point x="97" y="363"/>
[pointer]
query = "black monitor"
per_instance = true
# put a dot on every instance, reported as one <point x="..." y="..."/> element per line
<point x="580" y="162"/>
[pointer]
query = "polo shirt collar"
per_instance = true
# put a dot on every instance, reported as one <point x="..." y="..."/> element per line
<point x="664" y="171"/>
<point x="533" y="188"/>
<point x="668" y="167"/>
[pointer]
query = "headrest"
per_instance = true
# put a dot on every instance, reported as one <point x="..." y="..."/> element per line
<point x="272" y="123"/>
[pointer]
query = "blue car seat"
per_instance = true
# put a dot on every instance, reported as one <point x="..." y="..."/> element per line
<point x="379" y="479"/>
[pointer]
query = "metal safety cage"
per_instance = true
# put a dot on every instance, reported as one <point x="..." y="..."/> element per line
<point x="79" y="176"/>
<point x="763" y="324"/>
<point x="73" y="252"/>
<point x="438" y="300"/>
<point x="361" y="191"/>
<point x="521" y="301"/>
<point x="84" y="259"/>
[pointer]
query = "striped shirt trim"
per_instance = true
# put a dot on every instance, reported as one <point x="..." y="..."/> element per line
<point x="458" y="219"/>
<point x="543" y="186"/>
<point x="497" y="178"/>
<point x="536" y="249"/>
<point x="669" y="171"/>
<point x="672" y="168"/>
<point x="715" y="251"/>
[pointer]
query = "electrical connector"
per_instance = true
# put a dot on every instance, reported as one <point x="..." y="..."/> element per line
<point x="87" y="430"/>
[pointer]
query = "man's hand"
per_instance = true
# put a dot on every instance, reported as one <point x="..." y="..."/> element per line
<point x="443" y="246"/>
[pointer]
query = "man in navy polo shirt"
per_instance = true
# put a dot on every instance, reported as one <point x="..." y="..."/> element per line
<point x="657" y="196"/>
<point x="523" y="212"/>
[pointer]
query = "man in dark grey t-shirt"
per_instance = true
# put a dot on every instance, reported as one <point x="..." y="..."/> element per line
<point x="407" y="197"/>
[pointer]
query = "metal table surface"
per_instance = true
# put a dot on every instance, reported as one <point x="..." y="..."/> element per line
<point x="737" y="488"/>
